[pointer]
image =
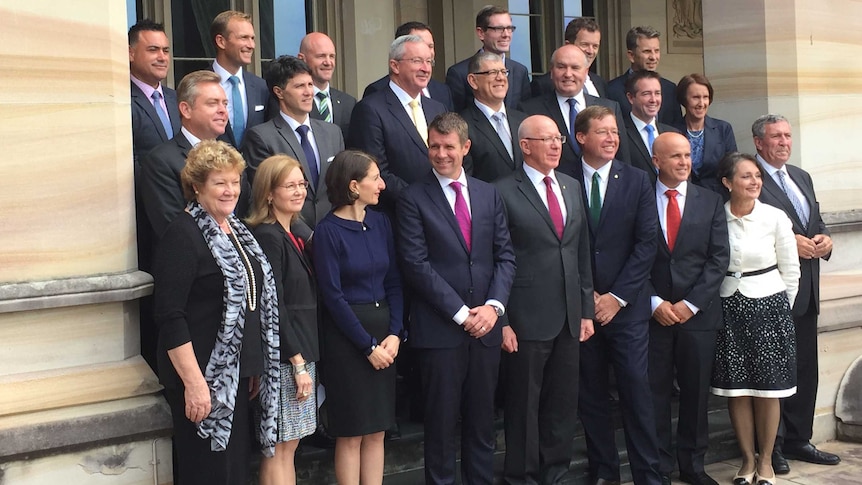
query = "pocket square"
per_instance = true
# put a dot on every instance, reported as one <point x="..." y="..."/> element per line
<point x="330" y="159"/>
<point x="259" y="107"/>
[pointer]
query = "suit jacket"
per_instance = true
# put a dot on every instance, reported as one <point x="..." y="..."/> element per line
<point x="462" y="94"/>
<point x="488" y="157"/>
<point x="437" y="268"/>
<point x="275" y="136"/>
<point x="437" y="91"/>
<point x="261" y="107"/>
<point x="382" y="128"/>
<point x="670" y="112"/>
<point x="696" y="268"/>
<point x="297" y="293"/>
<point x="570" y="161"/>
<point x="542" y="85"/>
<point x="771" y="193"/>
<point x="639" y="155"/>
<point x="342" y="108"/>
<point x="624" y="241"/>
<point x="718" y="141"/>
<point x="147" y="129"/>
<point x="161" y="189"/>
<point x="550" y="270"/>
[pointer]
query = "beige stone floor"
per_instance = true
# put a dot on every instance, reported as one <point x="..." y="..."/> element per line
<point x="848" y="472"/>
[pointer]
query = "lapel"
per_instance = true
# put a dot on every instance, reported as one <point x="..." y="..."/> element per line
<point x="635" y="138"/>
<point x="807" y="191"/>
<point x="435" y="193"/>
<point x="525" y="185"/>
<point x="297" y="254"/>
<point x="488" y="130"/>
<point x="400" y="114"/>
<point x="289" y="137"/>
<point x="173" y="109"/>
<point x="513" y="89"/>
<point x="251" y="97"/>
<point x="689" y="215"/>
<point x="324" y="147"/>
<point x="569" y="194"/>
<point x="771" y="186"/>
<point x="615" y="182"/>
<point x="141" y="100"/>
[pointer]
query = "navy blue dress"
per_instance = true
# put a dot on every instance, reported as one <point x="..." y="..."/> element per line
<point x="360" y="289"/>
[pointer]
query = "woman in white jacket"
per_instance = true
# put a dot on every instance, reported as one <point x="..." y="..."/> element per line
<point x="755" y="361"/>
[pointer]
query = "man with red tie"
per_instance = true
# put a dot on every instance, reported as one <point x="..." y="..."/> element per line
<point x="457" y="261"/>
<point x="548" y="225"/>
<point x="689" y="267"/>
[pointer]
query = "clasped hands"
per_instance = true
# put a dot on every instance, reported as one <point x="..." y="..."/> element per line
<point x="384" y="354"/>
<point x="668" y="313"/>
<point x="480" y="320"/>
<point x="816" y="247"/>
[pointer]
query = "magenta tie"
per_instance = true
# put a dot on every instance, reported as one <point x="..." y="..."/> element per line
<point x="554" y="208"/>
<point x="462" y="215"/>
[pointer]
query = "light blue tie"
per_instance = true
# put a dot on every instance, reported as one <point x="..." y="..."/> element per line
<point x="650" y="136"/>
<point x="791" y="195"/>
<point x="238" y="124"/>
<point x="166" y="122"/>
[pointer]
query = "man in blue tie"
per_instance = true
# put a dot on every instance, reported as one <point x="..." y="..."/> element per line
<point x="643" y="89"/>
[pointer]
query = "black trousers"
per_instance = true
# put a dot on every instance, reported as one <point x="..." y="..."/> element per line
<point x="797" y="411"/>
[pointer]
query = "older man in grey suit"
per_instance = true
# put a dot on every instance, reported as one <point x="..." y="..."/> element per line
<point x="293" y="132"/>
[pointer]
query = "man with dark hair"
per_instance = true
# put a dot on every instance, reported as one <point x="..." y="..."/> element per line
<point x="232" y="34"/>
<point x="314" y="143"/>
<point x="790" y="188"/>
<point x="568" y="73"/>
<point x="494" y="28"/>
<point x="459" y="274"/>
<point x="644" y="94"/>
<point x="691" y="260"/>
<point x="392" y="125"/>
<point x="583" y="33"/>
<point x="330" y="105"/>
<point x="548" y="226"/>
<point x="623" y="222"/>
<point x="644" y="52"/>
<point x="494" y="149"/>
<point x="435" y="89"/>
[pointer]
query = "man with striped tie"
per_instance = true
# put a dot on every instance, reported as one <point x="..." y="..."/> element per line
<point x="330" y="104"/>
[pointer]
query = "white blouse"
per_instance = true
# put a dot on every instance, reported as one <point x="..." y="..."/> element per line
<point x="757" y="241"/>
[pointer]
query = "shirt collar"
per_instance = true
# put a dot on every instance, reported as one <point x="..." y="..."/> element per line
<point x="488" y="111"/>
<point x="317" y="90"/>
<point x="445" y="181"/>
<point x="146" y="88"/>
<point x="191" y="138"/>
<point x="661" y="188"/>
<point x="538" y="177"/>
<point x="604" y="170"/>
<point x="563" y="100"/>
<point x="225" y="75"/>
<point x="640" y="124"/>
<point x="293" y="123"/>
<point x="770" y="170"/>
<point x="402" y="95"/>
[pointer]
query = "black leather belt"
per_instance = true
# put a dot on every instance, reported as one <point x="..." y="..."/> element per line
<point x="740" y="274"/>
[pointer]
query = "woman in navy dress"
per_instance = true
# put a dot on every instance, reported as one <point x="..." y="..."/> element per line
<point x="354" y="260"/>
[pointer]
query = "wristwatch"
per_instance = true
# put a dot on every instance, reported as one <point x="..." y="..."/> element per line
<point x="498" y="309"/>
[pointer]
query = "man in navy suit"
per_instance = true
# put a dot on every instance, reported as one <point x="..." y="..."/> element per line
<point x="457" y="260"/>
<point x="773" y="141"/>
<point x="391" y="125"/>
<point x="644" y="51"/>
<point x="435" y="89"/>
<point x="645" y="94"/>
<point x="330" y="104"/>
<point x="314" y="143"/>
<point x="583" y="33"/>
<point x="692" y="258"/>
<point x="494" y="149"/>
<point x="548" y="225"/>
<point x="568" y="74"/>
<point x="623" y="224"/>
<point x="248" y="97"/>
<point x="494" y="28"/>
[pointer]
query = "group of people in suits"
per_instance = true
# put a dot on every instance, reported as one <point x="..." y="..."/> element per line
<point x="556" y="188"/>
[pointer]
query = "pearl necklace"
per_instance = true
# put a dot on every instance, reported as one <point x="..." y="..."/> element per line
<point x="250" y="293"/>
<point x="695" y="133"/>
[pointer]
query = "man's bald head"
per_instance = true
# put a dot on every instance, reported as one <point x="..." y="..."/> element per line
<point x="672" y="158"/>
<point x="318" y="51"/>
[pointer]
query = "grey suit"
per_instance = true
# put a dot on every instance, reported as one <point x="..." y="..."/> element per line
<point x="541" y="377"/>
<point x="342" y="108"/>
<point x="488" y="158"/>
<point x="275" y="136"/>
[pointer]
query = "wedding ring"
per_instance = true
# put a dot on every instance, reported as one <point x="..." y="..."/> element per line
<point x="305" y="393"/>
<point x="482" y="329"/>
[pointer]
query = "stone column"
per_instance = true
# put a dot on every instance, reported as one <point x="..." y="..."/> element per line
<point x="76" y="398"/>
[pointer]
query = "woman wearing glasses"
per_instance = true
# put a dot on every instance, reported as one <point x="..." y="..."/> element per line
<point x="278" y="196"/>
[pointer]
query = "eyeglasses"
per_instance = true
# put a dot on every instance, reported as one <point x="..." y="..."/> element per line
<point x="418" y="61"/>
<point x="548" y="140"/>
<point x="293" y="187"/>
<point x="493" y="72"/>
<point x="502" y="28"/>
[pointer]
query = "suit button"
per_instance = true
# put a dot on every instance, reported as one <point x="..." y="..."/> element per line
<point x="672" y="261"/>
<point x="471" y="263"/>
<point x="470" y="291"/>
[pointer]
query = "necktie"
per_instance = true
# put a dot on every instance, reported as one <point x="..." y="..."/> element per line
<point x="595" y="199"/>
<point x="503" y="131"/>
<point x="314" y="172"/>
<point x="673" y="217"/>
<point x="573" y="113"/>
<point x="419" y="120"/>
<point x="791" y="195"/>
<point x="462" y="215"/>
<point x="323" y="106"/>
<point x="650" y="137"/>
<point x="166" y="122"/>
<point x="554" y="208"/>
<point x="238" y="122"/>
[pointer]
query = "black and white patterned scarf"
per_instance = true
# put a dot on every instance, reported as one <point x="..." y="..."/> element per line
<point x="222" y="371"/>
